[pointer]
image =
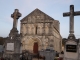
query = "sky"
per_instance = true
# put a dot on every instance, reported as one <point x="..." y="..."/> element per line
<point x="53" y="8"/>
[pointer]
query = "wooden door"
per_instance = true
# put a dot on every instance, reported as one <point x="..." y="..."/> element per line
<point x="35" y="47"/>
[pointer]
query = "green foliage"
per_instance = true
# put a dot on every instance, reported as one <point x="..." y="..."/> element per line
<point x="2" y="39"/>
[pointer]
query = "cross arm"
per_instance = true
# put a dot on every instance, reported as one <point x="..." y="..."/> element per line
<point x="76" y="13"/>
<point x="66" y="14"/>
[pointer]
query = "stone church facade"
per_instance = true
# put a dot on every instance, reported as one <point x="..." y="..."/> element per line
<point x="38" y="31"/>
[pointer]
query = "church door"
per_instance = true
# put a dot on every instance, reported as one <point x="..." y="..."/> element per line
<point x="35" y="47"/>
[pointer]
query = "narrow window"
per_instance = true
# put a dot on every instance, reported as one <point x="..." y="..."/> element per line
<point x="36" y="30"/>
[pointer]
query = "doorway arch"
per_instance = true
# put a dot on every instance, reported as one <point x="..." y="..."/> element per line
<point x="34" y="45"/>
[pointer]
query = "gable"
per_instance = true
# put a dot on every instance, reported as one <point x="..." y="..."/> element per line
<point x="38" y="16"/>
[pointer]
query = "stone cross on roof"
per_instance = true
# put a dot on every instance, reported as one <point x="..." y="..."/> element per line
<point x="71" y="14"/>
<point x="15" y="16"/>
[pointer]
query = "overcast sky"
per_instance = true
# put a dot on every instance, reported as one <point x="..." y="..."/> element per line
<point x="53" y="8"/>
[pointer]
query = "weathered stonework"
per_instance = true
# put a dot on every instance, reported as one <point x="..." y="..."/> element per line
<point x="12" y="45"/>
<point x="41" y="28"/>
<point x="72" y="45"/>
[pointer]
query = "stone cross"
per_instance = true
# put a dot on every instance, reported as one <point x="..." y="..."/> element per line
<point x="71" y="14"/>
<point x="15" y="16"/>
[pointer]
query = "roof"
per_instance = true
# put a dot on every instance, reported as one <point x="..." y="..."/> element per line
<point x="37" y="12"/>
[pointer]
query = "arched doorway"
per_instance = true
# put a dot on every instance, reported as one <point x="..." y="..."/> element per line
<point x="35" y="48"/>
<point x="33" y="45"/>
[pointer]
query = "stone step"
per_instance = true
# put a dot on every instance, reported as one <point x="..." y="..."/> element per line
<point x="36" y="59"/>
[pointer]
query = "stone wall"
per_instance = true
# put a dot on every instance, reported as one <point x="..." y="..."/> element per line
<point x="38" y="25"/>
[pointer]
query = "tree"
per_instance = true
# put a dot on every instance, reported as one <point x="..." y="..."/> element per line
<point x="2" y="40"/>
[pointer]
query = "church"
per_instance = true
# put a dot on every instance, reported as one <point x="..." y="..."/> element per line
<point x="39" y="31"/>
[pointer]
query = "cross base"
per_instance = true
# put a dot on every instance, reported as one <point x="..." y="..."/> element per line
<point x="71" y="31"/>
<point x="71" y="36"/>
<point x="14" y="31"/>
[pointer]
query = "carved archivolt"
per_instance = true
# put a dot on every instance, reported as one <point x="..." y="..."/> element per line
<point x="32" y="40"/>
